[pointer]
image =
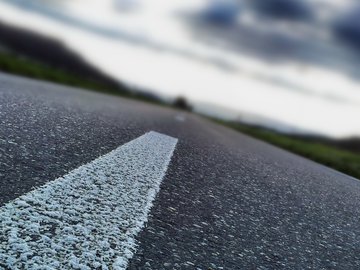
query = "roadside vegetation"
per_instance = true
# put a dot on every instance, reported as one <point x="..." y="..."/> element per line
<point x="182" y="104"/>
<point x="342" y="160"/>
<point x="15" y="64"/>
<point x="338" y="159"/>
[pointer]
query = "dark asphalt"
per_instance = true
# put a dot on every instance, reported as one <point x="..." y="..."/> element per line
<point x="228" y="201"/>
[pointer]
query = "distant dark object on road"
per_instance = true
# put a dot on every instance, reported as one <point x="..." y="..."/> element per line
<point x="182" y="103"/>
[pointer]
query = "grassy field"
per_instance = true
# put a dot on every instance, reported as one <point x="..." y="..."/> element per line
<point x="14" y="64"/>
<point x="338" y="159"/>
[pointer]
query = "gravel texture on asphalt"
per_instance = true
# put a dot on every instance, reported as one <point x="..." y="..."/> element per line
<point x="227" y="202"/>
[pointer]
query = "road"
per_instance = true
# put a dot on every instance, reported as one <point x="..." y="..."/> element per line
<point x="226" y="201"/>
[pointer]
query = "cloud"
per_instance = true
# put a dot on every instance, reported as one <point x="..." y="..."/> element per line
<point x="222" y="12"/>
<point x="347" y="28"/>
<point x="283" y="9"/>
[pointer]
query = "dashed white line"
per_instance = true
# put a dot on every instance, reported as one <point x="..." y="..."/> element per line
<point x="87" y="219"/>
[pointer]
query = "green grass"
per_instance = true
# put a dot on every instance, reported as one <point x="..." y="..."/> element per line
<point x="14" y="64"/>
<point x="338" y="159"/>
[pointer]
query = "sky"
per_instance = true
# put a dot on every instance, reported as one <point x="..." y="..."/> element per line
<point x="292" y="65"/>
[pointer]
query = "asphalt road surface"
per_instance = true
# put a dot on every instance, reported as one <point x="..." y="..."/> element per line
<point x="226" y="201"/>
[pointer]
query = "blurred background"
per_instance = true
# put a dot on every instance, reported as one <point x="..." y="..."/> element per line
<point x="291" y="67"/>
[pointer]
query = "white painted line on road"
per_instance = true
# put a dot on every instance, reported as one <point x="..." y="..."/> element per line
<point x="89" y="218"/>
<point x="180" y="118"/>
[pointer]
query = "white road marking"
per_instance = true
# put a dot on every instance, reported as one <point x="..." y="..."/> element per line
<point x="180" y="118"/>
<point x="87" y="219"/>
